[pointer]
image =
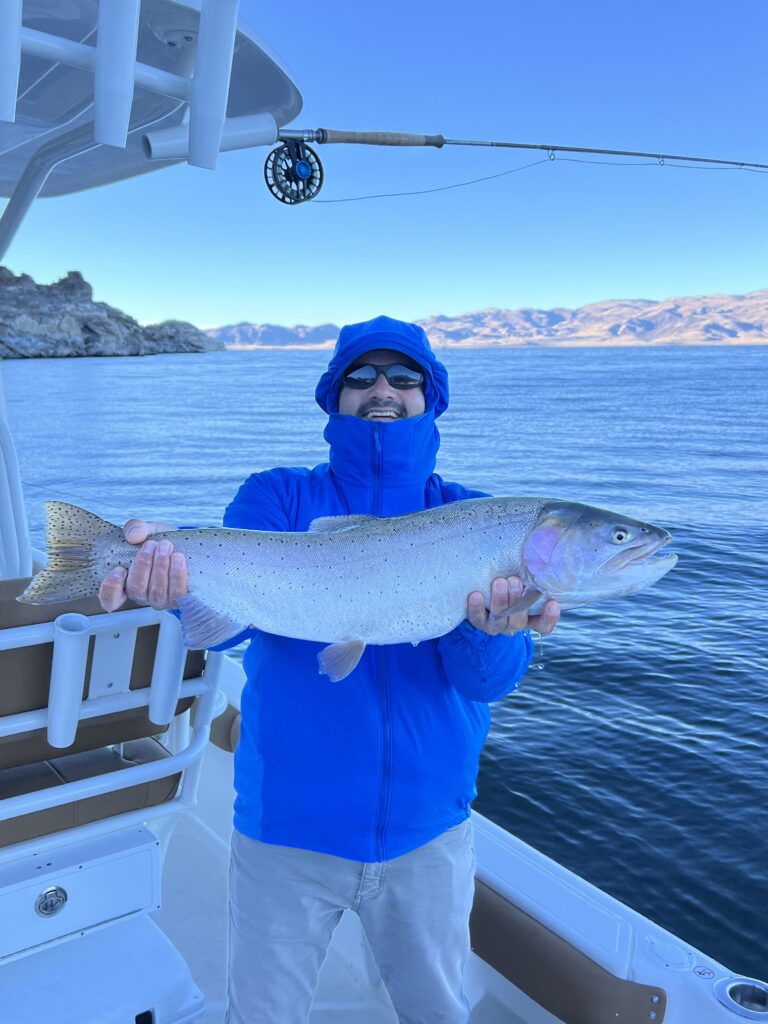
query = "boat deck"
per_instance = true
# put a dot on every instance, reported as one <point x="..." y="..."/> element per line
<point x="194" y="916"/>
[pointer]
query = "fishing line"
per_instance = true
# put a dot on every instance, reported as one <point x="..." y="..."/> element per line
<point x="546" y="160"/>
<point x="441" y="188"/>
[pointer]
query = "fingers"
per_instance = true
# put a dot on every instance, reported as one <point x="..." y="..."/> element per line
<point x="137" y="530"/>
<point x="137" y="581"/>
<point x="112" y="591"/>
<point x="548" y="619"/>
<point x="505" y="592"/>
<point x="177" y="586"/>
<point x="157" y="576"/>
<point x="476" y="612"/>
<point x="160" y="574"/>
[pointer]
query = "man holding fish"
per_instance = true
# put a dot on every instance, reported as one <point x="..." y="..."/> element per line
<point x="356" y="794"/>
<point x="354" y="785"/>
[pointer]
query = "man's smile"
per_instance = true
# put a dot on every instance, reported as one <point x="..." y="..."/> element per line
<point x="381" y="412"/>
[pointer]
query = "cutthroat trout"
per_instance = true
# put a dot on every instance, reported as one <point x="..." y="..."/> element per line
<point x="356" y="580"/>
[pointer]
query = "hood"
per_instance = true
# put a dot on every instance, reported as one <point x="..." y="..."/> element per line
<point x="384" y="332"/>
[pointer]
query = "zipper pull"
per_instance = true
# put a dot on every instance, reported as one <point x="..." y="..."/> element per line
<point x="377" y="437"/>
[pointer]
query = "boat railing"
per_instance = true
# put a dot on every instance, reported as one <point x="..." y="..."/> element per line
<point x="102" y="646"/>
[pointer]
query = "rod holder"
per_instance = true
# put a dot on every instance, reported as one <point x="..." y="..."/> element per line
<point x="210" y="84"/>
<point x="239" y="133"/>
<point x="167" y="672"/>
<point x="114" y="70"/>
<point x="71" y="633"/>
<point x="10" y="57"/>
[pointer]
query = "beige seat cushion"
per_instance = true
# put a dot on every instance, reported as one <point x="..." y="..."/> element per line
<point x="556" y="975"/>
<point x="60" y="770"/>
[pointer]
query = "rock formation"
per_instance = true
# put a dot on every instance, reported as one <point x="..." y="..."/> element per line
<point x="61" y="319"/>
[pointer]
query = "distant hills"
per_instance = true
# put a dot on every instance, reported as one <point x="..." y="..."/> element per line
<point x="698" y="320"/>
<point x="62" y="319"/>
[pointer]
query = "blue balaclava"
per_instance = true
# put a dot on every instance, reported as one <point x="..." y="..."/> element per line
<point x="408" y="447"/>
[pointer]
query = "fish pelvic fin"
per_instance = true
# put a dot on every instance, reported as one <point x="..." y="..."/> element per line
<point x="526" y="601"/>
<point x="203" y="626"/>
<point x="338" y="660"/>
<point x="75" y="569"/>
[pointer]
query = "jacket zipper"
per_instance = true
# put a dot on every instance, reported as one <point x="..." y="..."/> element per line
<point x="382" y="678"/>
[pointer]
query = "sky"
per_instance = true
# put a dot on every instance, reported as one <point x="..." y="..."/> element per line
<point x="216" y="248"/>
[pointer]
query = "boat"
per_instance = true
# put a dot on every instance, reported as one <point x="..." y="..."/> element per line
<point x="116" y="743"/>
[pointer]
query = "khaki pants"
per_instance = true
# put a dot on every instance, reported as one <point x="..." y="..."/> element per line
<point x="285" y="904"/>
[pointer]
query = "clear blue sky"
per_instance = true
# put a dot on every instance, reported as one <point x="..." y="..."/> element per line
<point x="216" y="248"/>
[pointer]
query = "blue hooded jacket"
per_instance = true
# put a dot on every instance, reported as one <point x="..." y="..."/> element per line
<point x="385" y="760"/>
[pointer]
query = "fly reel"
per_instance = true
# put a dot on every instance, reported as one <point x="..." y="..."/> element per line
<point x="293" y="172"/>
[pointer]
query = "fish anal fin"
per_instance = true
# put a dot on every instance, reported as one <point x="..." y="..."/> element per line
<point x="202" y="626"/>
<point x="338" y="660"/>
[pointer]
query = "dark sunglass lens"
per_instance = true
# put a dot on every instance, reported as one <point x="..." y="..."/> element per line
<point x="404" y="377"/>
<point x="360" y="377"/>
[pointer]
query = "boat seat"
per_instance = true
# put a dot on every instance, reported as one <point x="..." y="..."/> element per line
<point x="57" y="771"/>
<point x="29" y="763"/>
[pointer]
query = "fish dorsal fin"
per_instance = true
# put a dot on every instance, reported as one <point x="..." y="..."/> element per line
<point x="337" y="524"/>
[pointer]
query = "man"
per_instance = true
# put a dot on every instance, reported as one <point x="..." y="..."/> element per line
<point x="356" y="795"/>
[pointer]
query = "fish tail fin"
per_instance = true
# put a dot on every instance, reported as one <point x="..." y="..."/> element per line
<point x="75" y="566"/>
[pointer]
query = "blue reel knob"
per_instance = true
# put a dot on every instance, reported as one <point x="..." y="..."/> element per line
<point x="303" y="169"/>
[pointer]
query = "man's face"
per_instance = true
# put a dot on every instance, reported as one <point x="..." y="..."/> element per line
<point x="381" y="401"/>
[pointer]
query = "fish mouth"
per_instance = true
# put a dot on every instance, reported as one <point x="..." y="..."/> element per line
<point x="639" y="554"/>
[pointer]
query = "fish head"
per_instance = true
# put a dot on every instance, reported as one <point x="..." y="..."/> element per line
<point x="578" y="554"/>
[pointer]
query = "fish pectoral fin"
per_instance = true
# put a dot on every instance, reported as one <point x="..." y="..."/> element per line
<point x="202" y="626"/>
<point x="338" y="660"/>
<point x="338" y="524"/>
<point x="527" y="600"/>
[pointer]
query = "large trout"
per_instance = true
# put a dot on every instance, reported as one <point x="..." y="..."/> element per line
<point x="356" y="580"/>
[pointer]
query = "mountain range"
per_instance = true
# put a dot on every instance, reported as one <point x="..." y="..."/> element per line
<point x="697" y="320"/>
<point x="62" y="319"/>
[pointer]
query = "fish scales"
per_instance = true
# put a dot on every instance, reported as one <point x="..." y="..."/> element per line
<point x="393" y="580"/>
<point x="357" y="580"/>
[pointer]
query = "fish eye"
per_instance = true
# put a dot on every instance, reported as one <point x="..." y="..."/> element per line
<point x="620" y="535"/>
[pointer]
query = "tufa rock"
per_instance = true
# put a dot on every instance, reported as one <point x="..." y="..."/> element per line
<point x="61" y="319"/>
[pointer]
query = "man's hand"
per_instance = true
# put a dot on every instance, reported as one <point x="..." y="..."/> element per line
<point x="157" y="576"/>
<point x="505" y="592"/>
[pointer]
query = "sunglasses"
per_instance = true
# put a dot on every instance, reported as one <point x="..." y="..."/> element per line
<point x="398" y="376"/>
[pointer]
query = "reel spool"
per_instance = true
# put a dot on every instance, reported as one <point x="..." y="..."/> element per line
<point x="293" y="172"/>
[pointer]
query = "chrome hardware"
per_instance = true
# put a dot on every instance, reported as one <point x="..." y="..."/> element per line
<point x="50" y="901"/>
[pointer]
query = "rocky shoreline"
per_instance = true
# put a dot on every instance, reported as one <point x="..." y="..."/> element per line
<point x="62" y="320"/>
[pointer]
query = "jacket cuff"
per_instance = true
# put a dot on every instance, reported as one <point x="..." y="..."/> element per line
<point x="484" y="667"/>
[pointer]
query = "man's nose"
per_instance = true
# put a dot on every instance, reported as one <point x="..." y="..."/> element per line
<point x="382" y="386"/>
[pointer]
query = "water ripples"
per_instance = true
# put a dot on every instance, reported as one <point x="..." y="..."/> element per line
<point x="636" y="754"/>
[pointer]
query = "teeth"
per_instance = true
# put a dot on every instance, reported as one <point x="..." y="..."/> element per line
<point x="381" y="414"/>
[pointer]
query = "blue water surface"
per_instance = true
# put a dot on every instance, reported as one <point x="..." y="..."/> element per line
<point x="634" y="750"/>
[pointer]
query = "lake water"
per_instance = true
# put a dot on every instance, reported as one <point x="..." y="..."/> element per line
<point x="634" y="751"/>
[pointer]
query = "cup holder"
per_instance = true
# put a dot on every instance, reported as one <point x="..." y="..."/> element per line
<point x="746" y="997"/>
